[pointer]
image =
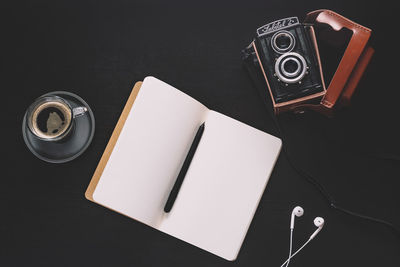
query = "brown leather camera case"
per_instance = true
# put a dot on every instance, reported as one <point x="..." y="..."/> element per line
<point x="349" y="72"/>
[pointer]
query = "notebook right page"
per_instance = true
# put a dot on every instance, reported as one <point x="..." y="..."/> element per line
<point x="223" y="186"/>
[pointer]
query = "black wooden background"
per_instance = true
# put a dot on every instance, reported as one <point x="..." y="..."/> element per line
<point x="99" y="49"/>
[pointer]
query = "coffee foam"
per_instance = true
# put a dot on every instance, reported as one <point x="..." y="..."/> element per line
<point x="51" y="119"/>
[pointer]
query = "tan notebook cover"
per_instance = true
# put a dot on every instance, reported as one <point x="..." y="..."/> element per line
<point x="111" y="143"/>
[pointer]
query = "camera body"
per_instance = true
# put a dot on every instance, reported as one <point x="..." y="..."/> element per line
<point x="288" y="59"/>
<point x="284" y="62"/>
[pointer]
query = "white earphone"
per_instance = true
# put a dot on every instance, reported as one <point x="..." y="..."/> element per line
<point x="297" y="211"/>
<point x="318" y="222"/>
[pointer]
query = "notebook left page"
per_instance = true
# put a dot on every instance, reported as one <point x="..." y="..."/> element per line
<point x="149" y="152"/>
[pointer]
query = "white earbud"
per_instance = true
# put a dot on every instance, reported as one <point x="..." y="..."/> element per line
<point x="319" y="222"/>
<point x="297" y="211"/>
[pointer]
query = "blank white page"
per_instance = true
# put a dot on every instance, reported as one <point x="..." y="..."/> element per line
<point x="149" y="152"/>
<point x="223" y="186"/>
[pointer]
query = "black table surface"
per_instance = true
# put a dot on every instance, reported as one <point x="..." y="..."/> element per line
<point x="99" y="49"/>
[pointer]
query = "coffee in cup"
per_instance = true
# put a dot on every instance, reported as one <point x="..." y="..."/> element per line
<point x="51" y="118"/>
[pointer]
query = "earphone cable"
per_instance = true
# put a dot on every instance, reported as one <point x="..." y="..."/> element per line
<point x="297" y="251"/>
<point x="290" y="249"/>
<point x="329" y="199"/>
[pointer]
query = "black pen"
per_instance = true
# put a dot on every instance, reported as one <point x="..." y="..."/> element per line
<point x="182" y="173"/>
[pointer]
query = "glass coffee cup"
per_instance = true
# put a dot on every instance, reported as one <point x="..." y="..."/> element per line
<point x="51" y="118"/>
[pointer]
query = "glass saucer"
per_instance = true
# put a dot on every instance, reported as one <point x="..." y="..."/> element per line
<point x="71" y="146"/>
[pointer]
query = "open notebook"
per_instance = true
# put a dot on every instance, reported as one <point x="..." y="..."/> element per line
<point x="222" y="187"/>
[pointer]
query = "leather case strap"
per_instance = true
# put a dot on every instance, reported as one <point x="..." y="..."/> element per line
<point x="352" y="64"/>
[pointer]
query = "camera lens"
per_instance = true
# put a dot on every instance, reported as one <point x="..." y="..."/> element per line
<point x="290" y="67"/>
<point x="282" y="42"/>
